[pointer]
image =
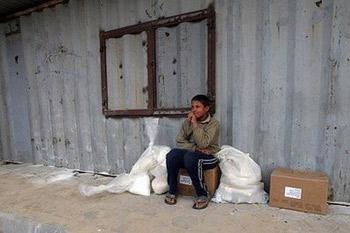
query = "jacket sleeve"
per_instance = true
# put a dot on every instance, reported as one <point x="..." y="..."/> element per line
<point x="182" y="139"/>
<point x="204" y="137"/>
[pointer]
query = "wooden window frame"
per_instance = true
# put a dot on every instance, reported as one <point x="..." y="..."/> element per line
<point x="150" y="28"/>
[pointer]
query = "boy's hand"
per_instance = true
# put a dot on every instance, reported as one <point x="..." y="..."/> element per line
<point x="189" y="116"/>
<point x="204" y="150"/>
<point x="192" y="118"/>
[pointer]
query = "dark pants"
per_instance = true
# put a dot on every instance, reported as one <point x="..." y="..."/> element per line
<point x="194" y="162"/>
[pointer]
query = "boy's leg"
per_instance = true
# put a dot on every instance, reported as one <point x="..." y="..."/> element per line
<point x="195" y="163"/>
<point x="174" y="161"/>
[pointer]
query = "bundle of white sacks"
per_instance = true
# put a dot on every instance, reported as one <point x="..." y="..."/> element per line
<point x="150" y="166"/>
<point x="240" y="181"/>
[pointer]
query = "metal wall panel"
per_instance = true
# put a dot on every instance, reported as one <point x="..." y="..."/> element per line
<point x="4" y="129"/>
<point x="282" y="86"/>
<point x="18" y="96"/>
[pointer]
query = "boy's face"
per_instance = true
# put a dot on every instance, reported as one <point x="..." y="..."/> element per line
<point x="199" y="110"/>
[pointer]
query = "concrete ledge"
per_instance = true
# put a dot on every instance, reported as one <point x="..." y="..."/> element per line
<point x="10" y="223"/>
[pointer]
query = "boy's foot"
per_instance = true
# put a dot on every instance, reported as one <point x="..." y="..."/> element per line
<point x="201" y="203"/>
<point x="170" y="199"/>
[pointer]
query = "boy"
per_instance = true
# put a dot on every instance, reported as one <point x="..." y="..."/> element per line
<point x="196" y="142"/>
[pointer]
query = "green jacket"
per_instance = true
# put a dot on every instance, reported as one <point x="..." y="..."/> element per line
<point x="206" y="135"/>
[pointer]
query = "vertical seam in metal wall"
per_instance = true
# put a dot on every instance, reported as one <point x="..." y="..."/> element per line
<point x="5" y="140"/>
<point x="325" y="77"/>
<point x="236" y="80"/>
<point x="258" y="137"/>
<point x="290" y="80"/>
<point x="230" y="70"/>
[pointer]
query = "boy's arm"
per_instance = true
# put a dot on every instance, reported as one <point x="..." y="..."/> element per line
<point x="181" y="139"/>
<point x="204" y="138"/>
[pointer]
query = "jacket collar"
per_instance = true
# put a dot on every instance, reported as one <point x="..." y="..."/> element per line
<point x="206" y="120"/>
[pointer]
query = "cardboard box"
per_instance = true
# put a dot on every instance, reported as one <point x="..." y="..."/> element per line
<point x="299" y="190"/>
<point x="211" y="178"/>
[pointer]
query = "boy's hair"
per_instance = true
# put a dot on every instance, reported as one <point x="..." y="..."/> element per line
<point x="203" y="99"/>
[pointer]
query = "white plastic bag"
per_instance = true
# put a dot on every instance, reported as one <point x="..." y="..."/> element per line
<point x="150" y="158"/>
<point x="253" y="194"/>
<point x="237" y="167"/>
<point x="240" y="180"/>
<point x="137" y="184"/>
<point x="159" y="183"/>
<point x="138" y="181"/>
<point x="140" y="185"/>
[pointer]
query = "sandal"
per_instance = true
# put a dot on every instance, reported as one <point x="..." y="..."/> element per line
<point x="170" y="199"/>
<point x="201" y="203"/>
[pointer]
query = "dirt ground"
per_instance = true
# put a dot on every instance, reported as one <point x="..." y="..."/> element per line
<point x="33" y="194"/>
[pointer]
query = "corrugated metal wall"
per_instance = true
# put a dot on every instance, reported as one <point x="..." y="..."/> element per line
<point x="283" y="85"/>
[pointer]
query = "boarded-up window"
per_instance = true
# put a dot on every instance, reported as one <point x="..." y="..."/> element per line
<point x="181" y="54"/>
<point x="127" y="72"/>
<point x="155" y="68"/>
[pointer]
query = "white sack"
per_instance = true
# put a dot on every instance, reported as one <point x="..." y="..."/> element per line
<point x="160" y="183"/>
<point x="138" y="181"/>
<point x="240" y="180"/>
<point x="137" y="184"/>
<point x="140" y="185"/>
<point x="237" y="167"/>
<point x="150" y="158"/>
<point x="254" y="194"/>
